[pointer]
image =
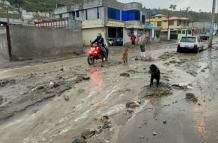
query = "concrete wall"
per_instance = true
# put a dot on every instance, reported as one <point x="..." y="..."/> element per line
<point x="91" y="34"/>
<point x="3" y="44"/>
<point x="33" y="42"/>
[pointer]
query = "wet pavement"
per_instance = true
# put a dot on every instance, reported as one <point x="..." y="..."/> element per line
<point x="55" y="102"/>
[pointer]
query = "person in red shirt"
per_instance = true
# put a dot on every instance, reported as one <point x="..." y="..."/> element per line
<point x="133" y="40"/>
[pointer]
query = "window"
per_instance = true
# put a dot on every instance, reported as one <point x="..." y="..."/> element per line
<point x="86" y="14"/>
<point x="143" y="19"/>
<point x="159" y="23"/>
<point x="73" y="14"/>
<point x="190" y="32"/>
<point x="188" y="39"/>
<point x="131" y="15"/>
<point x="77" y="13"/>
<point x="171" y="22"/>
<point x="114" y="13"/>
<point x="183" y="32"/>
<point x="178" y="22"/>
<point x="98" y="14"/>
<point x="61" y="16"/>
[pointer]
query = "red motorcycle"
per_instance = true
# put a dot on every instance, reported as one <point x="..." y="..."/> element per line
<point x="94" y="54"/>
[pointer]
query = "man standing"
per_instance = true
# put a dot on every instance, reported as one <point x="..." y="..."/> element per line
<point x="133" y="40"/>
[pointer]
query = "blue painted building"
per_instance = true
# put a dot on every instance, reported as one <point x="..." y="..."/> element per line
<point x="115" y="20"/>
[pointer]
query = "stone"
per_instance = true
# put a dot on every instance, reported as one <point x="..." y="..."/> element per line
<point x="132" y="104"/>
<point x="66" y="98"/>
<point x="88" y="134"/>
<point x="154" y="133"/>
<point x="125" y="74"/>
<point x="5" y="82"/>
<point x="62" y="69"/>
<point x="1" y="100"/>
<point x="51" y="84"/>
<point x="191" y="97"/>
<point x="136" y="59"/>
<point x="130" y="111"/>
<point x="86" y="78"/>
<point x="78" y="79"/>
<point x="164" y="122"/>
<point x="106" y="122"/>
<point x="79" y="140"/>
<point x="40" y="87"/>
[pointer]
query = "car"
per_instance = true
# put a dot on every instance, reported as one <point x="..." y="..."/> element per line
<point x="190" y="43"/>
<point x="205" y="36"/>
<point x="119" y="42"/>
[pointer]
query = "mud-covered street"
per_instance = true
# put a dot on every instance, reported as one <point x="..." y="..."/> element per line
<point x="68" y="101"/>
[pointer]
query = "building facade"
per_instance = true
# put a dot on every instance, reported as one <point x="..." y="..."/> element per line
<point x="174" y="24"/>
<point x="115" y="20"/>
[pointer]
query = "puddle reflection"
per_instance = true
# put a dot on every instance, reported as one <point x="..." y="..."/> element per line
<point x="96" y="80"/>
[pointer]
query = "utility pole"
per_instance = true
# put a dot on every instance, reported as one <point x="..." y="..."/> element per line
<point x="168" y="26"/>
<point x="212" y="25"/>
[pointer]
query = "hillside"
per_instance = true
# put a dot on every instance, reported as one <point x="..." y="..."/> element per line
<point x="40" y="5"/>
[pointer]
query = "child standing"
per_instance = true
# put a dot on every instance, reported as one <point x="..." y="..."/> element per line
<point x="142" y="47"/>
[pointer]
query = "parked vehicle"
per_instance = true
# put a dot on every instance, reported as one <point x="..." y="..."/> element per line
<point x="183" y="33"/>
<point x="94" y="54"/>
<point x="116" y="42"/>
<point x="205" y="36"/>
<point x="190" y="43"/>
<point x="119" y="42"/>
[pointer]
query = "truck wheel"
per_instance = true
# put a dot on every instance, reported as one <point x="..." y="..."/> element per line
<point x="178" y="50"/>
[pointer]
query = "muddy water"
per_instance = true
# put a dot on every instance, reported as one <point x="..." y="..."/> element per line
<point x="106" y="93"/>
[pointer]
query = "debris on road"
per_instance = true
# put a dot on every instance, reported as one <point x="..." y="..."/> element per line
<point x="1" y="100"/>
<point x="39" y="87"/>
<point x="53" y="85"/>
<point x="165" y="122"/>
<point x="5" y="82"/>
<point x="125" y="74"/>
<point x="79" y="140"/>
<point x="86" y="78"/>
<point x="191" y="97"/>
<point x="66" y="98"/>
<point x="132" y="104"/>
<point x="182" y="87"/>
<point x="87" y="134"/>
<point x="163" y="90"/>
<point x="106" y="122"/>
<point x="154" y="133"/>
<point x="131" y="71"/>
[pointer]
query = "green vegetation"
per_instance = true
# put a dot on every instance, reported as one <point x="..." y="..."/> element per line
<point x="49" y="5"/>
<point x="41" y="5"/>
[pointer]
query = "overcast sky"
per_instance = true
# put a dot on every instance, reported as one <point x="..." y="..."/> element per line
<point x="196" y="5"/>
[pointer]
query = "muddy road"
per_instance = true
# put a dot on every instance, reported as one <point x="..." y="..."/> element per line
<point x="68" y="101"/>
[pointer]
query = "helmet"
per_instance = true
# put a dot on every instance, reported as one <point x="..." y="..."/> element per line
<point x="99" y="35"/>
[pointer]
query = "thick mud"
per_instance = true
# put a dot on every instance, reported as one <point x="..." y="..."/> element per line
<point x="68" y="101"/>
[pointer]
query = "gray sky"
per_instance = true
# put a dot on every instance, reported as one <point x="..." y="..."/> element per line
<point x="196" y="5"/>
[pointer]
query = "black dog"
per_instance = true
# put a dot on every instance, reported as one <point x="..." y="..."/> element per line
<point x="155" y="74"/>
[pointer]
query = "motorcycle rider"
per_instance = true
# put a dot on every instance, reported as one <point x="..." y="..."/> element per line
<point x="100" y="43"/>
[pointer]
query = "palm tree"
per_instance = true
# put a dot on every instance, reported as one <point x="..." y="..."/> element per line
<point x="173" y="7"/>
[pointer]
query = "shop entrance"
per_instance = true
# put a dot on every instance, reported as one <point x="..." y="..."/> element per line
<point x="115" y="36"/>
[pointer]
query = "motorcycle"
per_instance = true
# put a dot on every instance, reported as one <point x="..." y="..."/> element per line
<point x="94" y="54"/>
